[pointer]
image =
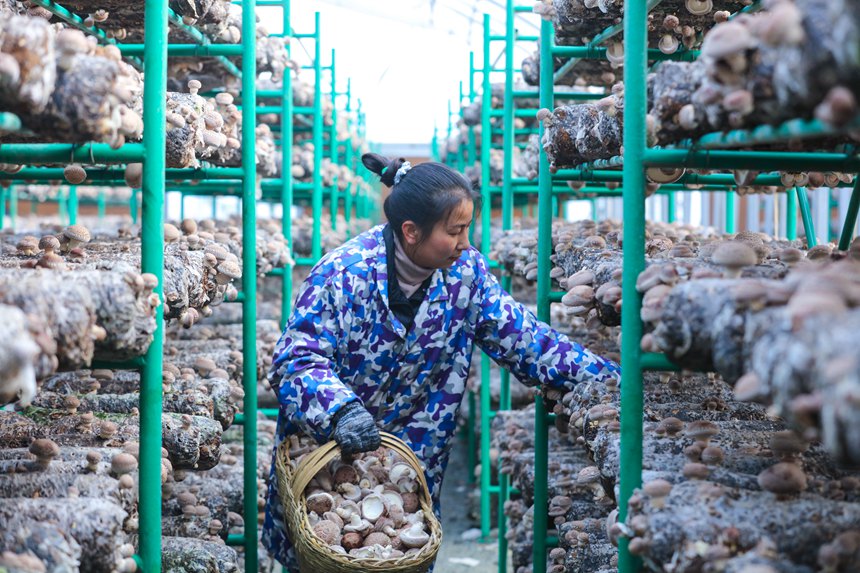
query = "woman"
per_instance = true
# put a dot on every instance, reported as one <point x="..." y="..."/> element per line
<point x="383" y="330"/>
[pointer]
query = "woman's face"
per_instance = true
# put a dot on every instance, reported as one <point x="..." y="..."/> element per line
<point x="445" y="244"/>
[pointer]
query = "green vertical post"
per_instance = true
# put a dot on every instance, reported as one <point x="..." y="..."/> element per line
<point x="152" y="261"/>
<point x="3" y="196"/>
<point x="850" y="217"/>
<point x="790" y="215"/>
<point x="181" y="205"/>
<point x="434" y="144"/>
<point x="671" y="208"/>
<point x="132" y="206"/>
<point x="335" y="195"/>
<point x="731" y="216"/>
<point x="73" y="205"/>
<point x="507" y="223"/>
<point x="249" y="278"/>
<point x="102" y="207"/>
<point x="286" y="175"/>
<point x="317" y="197"/>
<point x="545" y="215"/>
<point x="635" y="108"/>
<point x="806" y="217"/>
<point x="486" y="244"/>
<point x="214" y="206"/>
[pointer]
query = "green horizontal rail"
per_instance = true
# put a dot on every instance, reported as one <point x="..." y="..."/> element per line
<point x="759" y="160"/>
<point x="768" y="134"/>
<point x="239" y="419"/>
<point x="36" y="153"/>
<point x="131" y="364"/>
<point x="659" y="362"/>
<point x="599" y="53"/>
<point x="196" y="50"/>
<point x="115" y="176"/>
<point x="584" y="96"/>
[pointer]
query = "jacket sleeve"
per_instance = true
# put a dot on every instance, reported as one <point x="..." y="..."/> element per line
<point x="302" y="372"/>
<point x="532" y="350"/>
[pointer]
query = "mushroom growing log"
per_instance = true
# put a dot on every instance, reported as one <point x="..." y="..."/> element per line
<point x="795" y="354"/>
<point x="739" y="520"/>
<point x="94" y="525"/>
<point x="192" y="442"/>
<point x="185" y="555"/>
<point x="88" y="313"/>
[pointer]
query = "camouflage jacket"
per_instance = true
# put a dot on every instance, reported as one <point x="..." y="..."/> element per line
<point x="343" y="343"/>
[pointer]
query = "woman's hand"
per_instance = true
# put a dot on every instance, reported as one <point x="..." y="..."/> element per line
<point x="355" y="430"/>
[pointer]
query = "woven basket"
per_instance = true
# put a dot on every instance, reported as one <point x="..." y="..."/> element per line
<point x="315" y="556"/>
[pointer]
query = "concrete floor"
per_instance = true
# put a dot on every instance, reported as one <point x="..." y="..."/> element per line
<point x="456" y="521"/>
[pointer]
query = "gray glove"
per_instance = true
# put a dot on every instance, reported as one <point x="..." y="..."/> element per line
<point x="355" y="430"/>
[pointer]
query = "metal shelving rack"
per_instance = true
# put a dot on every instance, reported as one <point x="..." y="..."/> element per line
<point x="702" y="154"/>
<point x="707" y="152"/>
<point x="216" y="181"/>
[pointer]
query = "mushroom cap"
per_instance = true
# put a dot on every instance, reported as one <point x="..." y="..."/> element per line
<point x="29" y="242"/>
<point x="701" y="430"/>
<point x="414" y="536"/>
<point x="694" y="470"/>
<point x="790" y="255"/>
<point x="712" y="455"/>
<point x="588" y="474"/>
<point x="77" y="233"/>
<point x="186" y="498"/>
<point x="782" y="479"/>
<point x="133" y="175"/>
<point x="726" y="39"/>
<point x="52" y="261"/>
<point x="123" y="463"/>
<point x="657" y="488"/>
<point x="171" y="233"/>
<point x="188" y="226"/>
<point x="93" y="457"/>
<point x="351" y="540"/>
<point x="410" y="501"/>
<point x="217" y="250"/>
<point x="787" y="442"/>
<point x="224" y="98"/>
<point x="194" y="85"/>
<point x="230" y="269"/>
<point x="44" y="448"/>
<point x="376" y="538"/>
<point x="107" y="429"/>
<point x="150" y="281"/>
<point x="70" y="40"/>
<point x="49" y="242"/>
<point x="75" y="174"/>
<point x="327" y="531"/>
<point x="734" y="254"/>
<point x="320" y="502"/>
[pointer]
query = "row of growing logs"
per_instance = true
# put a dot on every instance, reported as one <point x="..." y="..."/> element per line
<point x="789" y="60"/>
<point x="737" y="305"/>
<point x="68" y="462"/>
<point x="709" y="461"/>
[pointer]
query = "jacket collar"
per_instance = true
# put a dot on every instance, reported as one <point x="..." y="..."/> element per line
<point x="377" y="258"/>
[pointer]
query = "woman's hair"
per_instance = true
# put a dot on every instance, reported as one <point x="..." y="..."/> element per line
<point x="425" y="194"/>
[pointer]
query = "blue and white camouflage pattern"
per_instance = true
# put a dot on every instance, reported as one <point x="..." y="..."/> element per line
<point x="342" y="343"/>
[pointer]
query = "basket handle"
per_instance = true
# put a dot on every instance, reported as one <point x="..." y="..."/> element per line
<point x="315" y="461"/>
